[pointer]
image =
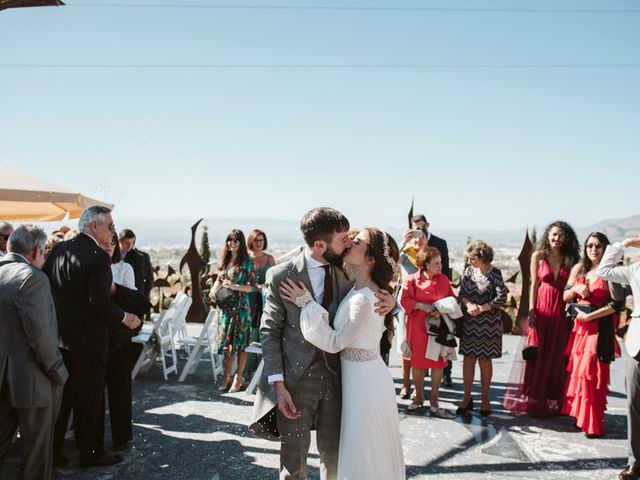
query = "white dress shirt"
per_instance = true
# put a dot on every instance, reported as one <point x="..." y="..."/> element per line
<point x="627" y="275"/>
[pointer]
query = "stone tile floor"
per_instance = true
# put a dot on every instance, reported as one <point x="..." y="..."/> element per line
<point x="190" y="431"/>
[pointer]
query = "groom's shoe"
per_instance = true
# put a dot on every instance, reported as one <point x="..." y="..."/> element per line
<point x="629" y="473"/>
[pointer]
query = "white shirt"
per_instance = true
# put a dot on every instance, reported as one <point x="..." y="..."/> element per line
<point x="123" y="275"/>
<point x="626" y="275"/>
<point x="316" y="272"/>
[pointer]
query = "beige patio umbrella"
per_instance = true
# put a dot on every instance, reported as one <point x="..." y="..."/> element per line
<point x="24" y="198"/>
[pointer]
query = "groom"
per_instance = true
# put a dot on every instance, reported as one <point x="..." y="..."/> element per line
<point x="300" y="390"/>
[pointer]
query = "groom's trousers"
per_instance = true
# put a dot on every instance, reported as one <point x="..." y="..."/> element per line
<point x="318" y="396"/>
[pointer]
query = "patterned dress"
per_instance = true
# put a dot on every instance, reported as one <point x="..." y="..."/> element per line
<point x="482" y="335"/>
<point x="234" y="321"/>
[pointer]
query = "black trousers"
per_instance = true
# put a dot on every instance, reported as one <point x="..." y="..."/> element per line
<point x="119" y="393"/>
<point x="84" y="393"/>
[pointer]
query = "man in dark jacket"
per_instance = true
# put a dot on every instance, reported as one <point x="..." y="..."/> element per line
<point x="140" y="261"/>
<point x="80" y="274"/>
<point x="31" y="369"/>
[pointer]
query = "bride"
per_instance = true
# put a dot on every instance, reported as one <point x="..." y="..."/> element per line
<point x="370" y="445"/>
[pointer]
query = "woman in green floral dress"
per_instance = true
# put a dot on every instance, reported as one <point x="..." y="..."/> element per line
<point x="235" y="272"/>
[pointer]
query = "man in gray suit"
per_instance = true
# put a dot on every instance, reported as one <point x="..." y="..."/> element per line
<point x="609" y="269"/>
<point x="31" y="370"/>
<point x="300" y="389"/>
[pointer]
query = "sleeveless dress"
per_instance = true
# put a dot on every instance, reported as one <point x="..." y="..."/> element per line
<point x="541" y="391"/>
<point x="587" y="383"/>
<point x="482" y="335"/>
<point x="234" y="320"/>
<point x="370" y="445"/>
<point x="417" y="289"/>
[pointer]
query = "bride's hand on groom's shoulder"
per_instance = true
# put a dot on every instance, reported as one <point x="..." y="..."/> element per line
<point x="291" y="291"/>
<point x="386" y="302"/>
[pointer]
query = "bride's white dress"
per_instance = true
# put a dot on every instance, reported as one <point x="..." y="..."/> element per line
<point x="370" y="446"/>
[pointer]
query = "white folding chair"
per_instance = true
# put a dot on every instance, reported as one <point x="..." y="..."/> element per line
<point x="256" y="348"/>
<point x="205" y="340"/>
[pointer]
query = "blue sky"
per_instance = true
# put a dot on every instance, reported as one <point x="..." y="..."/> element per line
<point x="479" y="147"/>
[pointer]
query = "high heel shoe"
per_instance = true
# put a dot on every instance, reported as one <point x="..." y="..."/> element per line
<point x="404" y="394"/>
<point x="462" y="410"/>
<point x="226" y="383"/>
<point x="237" y="385"/>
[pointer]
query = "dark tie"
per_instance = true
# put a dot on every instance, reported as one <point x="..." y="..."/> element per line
<point x="328" y="287"/>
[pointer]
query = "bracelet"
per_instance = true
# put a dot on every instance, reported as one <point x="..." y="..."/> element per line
<point x="304" y="300"/>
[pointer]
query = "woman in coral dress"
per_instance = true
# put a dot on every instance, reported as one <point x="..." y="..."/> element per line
<point x="419" y="292"/>
<point x="592" y="345"/>
<point x="539" y="390"/>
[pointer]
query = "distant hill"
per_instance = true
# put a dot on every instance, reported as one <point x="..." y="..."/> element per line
<point x="616" y="229"/>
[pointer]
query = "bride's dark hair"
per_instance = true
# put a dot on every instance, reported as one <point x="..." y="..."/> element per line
<point x="384" y="270"/>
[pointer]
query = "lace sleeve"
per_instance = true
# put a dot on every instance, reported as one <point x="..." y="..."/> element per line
<point x="314" y="323"/>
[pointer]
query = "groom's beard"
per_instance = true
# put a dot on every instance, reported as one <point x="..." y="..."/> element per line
<point x="335" y="259"/>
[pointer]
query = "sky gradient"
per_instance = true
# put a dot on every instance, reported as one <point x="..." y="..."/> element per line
<point x="491" y="119"/>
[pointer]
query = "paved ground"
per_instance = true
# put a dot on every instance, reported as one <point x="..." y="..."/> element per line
<point x="189" y="431"/>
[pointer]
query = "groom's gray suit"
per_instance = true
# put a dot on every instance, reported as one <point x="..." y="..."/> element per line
<point x="310" y="375"/>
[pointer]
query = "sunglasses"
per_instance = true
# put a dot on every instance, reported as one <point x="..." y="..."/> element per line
<point x="593" y="245"/>
<point x="233" y="240"/>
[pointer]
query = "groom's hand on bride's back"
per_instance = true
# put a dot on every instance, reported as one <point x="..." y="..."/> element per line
<point x="285" y="403"/>
<point x="386" y="302"/>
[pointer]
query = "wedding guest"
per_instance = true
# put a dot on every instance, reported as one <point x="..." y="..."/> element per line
<point x="540" y="390"/>
<point x="235" y="274"/>
<point x="31" y="369"/>
<point x="592" y="345"/>
<point x="419" y="292"/>
<point x="262" y="261"/>
<point x="71" y="234"/>
<point x="119" y="392"/>
<point x="419" y="222"/>
<point x="5" y="232"/>
<point x="139" y="260"/>
<point x="80" y="275"/>
<point x="482" y="293"/>
<point x="610" y="270"/>
<point x="52" y="240"/>
<point x="414" y="240"/>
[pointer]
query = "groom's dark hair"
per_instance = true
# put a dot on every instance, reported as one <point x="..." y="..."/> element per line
<point x="321" y="223"/>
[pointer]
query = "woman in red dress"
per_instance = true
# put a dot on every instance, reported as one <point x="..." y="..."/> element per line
<point x="541" y="391"/>
<point x="419" y="291"/>
<point x="592" y="345"/>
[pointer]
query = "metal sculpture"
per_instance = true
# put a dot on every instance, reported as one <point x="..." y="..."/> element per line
<point x="411" y="212"/>
<point x="29" y="3"/>
<point x="197" y="312"/>
<point x="525" y="267"/>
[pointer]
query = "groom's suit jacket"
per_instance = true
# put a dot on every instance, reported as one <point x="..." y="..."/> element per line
<point x="284" y="348"/>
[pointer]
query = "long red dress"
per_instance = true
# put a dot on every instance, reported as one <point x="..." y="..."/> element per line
<point x="417" y="289"/>
<point x="543" y="386"/>
<point x="587" y="383"/>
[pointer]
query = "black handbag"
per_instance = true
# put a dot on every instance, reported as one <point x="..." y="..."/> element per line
<point x="530" y="353"/>
<point x="224" y="296"/>
<point x="571" y="310"/>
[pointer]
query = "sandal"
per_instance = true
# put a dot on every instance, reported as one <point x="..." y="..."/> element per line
<point x="438" y="412"/>
<point x="226" y="383"/>
<point x="413" y="407"/>
<point x="404" y="394"/>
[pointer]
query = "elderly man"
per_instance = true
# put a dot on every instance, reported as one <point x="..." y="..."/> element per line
<point x="612" y="271"/>
<point x="5" y="232"/>
<point x="80" y="275"/>
<point x="31" y="368"/>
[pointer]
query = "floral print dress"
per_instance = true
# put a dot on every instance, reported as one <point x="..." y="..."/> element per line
<point x="234" y="320"/>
